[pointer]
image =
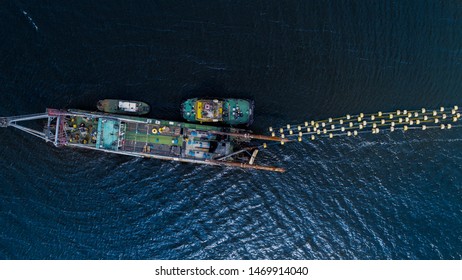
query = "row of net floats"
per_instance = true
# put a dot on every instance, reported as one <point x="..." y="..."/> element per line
<point x="352" y="125"/>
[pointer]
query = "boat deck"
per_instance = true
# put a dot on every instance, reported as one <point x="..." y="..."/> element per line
<point x="82" y="130"/>
<point x="146" y="137"/>
<point x="237" y="111"/>
<point x="151" y="138"/>
<point x="229" y="111"/>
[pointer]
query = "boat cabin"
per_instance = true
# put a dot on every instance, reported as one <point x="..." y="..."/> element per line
<point x="128" y="106"/>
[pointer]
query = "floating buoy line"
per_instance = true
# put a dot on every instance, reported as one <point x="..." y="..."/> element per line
<point x="380" y="122"/>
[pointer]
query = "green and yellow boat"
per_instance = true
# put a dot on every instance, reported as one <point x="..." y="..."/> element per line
<point x="229" y="111"/>
<point x="115" y="106"/>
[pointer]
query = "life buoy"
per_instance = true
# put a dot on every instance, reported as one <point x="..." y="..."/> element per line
<point x="154" y="131"/>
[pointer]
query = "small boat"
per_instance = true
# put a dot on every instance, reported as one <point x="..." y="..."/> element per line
<point x="230" y="111"/>
<point x="115" y="106"/>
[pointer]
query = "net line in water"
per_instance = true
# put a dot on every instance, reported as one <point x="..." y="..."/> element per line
<point x="380" y="122"/>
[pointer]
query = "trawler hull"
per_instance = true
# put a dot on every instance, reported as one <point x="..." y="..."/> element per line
<point x="145" y="137"/>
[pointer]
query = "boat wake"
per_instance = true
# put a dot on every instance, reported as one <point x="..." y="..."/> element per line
<point x="30" y="20"/>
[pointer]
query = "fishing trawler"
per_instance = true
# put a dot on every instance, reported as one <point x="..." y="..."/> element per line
<point x="146" y="137"/>
<point x="229" y="111"/>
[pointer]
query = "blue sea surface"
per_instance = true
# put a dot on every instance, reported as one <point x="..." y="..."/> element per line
<point x="385" y="196"/>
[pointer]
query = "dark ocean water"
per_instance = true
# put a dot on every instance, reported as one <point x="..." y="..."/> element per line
<point x="393" y="196"/>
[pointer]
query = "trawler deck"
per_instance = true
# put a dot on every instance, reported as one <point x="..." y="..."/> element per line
<point x="151" y="137"/>
<point x="81" y="130"/>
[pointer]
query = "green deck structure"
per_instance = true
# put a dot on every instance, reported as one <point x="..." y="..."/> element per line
<point x="230" y="111"/>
